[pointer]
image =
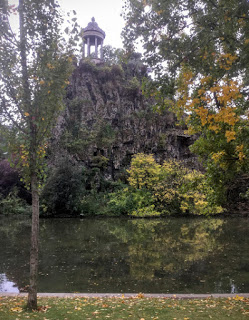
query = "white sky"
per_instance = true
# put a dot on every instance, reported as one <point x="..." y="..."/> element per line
<point x="106" y="13"/>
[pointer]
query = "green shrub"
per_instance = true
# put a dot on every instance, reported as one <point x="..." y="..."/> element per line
<point x="121" y="202"/>
<point x="104" y="74"/>
<point x="133" y="85"/>
<point x="117" y="71"/>
<point x="170" y="188"/>
<point x="88" y="66"/>
<point x="12" y="204"/>
<point x="63" y="190"/>
<point x="94" y="204"/>
<point x="144" y="212"/>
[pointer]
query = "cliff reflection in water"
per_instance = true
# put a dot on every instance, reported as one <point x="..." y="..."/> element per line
<point x="175" y="255"/>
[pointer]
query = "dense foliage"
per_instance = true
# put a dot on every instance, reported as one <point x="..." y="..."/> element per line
<point x="165" y="189"/>
<point x="62" y="190"/>
<point x="199" y="52"/>
<point x="72" y="190"/>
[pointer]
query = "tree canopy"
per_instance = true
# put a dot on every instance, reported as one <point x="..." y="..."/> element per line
<point x="177" y="31"/>
<point x="199" y="51"/>
<point x="35" y="65"/>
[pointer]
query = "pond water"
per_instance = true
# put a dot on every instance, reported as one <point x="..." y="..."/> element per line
<point x="175" y="255"/>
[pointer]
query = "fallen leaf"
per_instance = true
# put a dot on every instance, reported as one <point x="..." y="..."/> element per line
<point x="16" y="309"/>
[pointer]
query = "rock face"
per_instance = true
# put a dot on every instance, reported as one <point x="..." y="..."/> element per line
<point x="108" y="120"/>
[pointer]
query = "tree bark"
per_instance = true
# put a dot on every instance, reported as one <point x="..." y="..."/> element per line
<point x="32" y="296"/>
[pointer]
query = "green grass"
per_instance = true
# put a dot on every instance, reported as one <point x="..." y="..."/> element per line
<point x="139" y="308"/>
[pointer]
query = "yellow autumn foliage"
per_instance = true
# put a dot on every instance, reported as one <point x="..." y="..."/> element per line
<point x="144" y="171"/>
<point x="167" y="188"/>
<point x="240" y="152"/>
<point x="212" y="100"/>
<point x="230" y="135"/>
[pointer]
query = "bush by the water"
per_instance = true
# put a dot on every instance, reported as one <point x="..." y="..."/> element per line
<point x="72" y="190"/>
<point x="165" y="189"/>
<point x="13" y="204"/>
<point x="63" y="190"/>
<point x="152" y="190"/>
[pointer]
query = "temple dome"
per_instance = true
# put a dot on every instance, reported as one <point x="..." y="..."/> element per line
<point x="93" y="28"/>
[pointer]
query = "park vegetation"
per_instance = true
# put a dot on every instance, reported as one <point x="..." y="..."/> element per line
<point x="200" y="72"/>
<point x="199" y="55"/>
<point x="199" y="51"/>
<point x="166" y="189"/>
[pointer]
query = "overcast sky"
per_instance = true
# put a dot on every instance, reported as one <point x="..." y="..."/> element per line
<point x="106" y="13"/>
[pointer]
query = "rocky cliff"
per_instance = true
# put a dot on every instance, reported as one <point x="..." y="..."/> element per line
<point x="107" y="120"/>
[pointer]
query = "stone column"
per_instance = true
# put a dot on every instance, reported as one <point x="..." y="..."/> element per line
<point x="88" y="47"/>
<point x="83" y="49"/>
<point x="101" y="50"/>
<point x="96" y="47"/>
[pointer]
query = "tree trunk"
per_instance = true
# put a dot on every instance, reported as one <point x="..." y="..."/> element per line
<point x="32" y="296"/>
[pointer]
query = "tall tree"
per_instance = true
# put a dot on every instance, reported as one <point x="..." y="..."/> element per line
<point x="199" y="51"/>
<point x="35" y="65"/>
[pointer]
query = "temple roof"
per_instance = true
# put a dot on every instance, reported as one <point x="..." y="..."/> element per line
<point x="93" y="26"/>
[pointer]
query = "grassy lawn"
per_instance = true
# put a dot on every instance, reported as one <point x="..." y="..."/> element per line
<point x="139" y="308"/>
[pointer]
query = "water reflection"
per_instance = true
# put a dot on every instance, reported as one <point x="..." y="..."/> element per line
<point x="6" y="285"/>
<point x="112" y="255"/>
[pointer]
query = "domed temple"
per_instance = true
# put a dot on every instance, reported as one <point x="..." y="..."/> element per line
<point x="93" y="36"/>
